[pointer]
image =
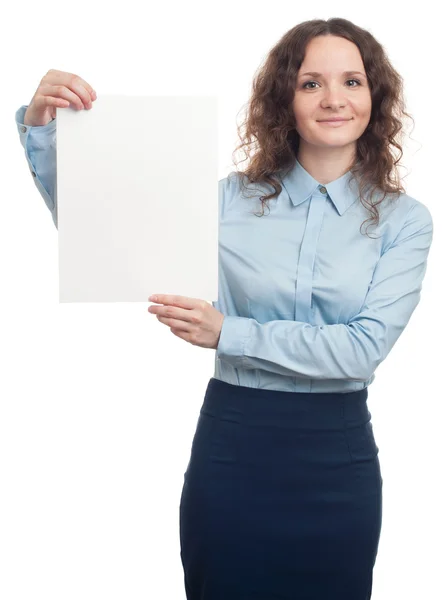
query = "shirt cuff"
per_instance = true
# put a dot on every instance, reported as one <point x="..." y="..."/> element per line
<point x="234" y="334"/>
<point x="24" y="130"/>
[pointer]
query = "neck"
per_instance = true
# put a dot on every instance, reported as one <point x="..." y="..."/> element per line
<point x="326" y="164"/>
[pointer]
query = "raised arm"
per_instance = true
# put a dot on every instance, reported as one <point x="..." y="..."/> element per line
<point x="36" y="125"/>
<point x="39" y="143"/>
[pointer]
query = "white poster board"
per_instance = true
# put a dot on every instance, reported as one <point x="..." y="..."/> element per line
<point x="137" y="195"/>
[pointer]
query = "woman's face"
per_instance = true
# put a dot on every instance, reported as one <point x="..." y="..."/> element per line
<point x="332" y="93"/>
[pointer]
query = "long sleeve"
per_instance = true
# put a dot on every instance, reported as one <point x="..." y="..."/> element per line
<point x="341" y="351"/>
<point x="39" y="144"/>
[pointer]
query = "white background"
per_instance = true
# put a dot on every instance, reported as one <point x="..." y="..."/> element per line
<point x="99" y="402"/>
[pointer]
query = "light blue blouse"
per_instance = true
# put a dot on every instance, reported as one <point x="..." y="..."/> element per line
<point x="311" y="304"/>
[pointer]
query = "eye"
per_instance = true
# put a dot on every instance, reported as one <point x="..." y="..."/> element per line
<point x="308" y="82"/>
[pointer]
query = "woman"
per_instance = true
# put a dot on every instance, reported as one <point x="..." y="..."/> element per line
<point x="282" y="496"/>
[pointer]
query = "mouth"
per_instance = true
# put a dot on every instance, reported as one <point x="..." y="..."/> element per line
<point x="334" y="120"/>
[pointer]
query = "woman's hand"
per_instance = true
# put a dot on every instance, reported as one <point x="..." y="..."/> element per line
<point x="195" y="321"/>
<point x="58" y="89"/>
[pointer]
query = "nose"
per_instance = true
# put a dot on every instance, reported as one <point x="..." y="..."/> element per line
<point x="334" y="98"/>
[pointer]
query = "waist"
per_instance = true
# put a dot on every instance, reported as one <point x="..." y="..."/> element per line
<point x="294" y="410"/>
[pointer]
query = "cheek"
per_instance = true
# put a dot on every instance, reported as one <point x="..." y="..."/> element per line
<point x="302" y="113"/>
<point x="363" y="106"/>
<point x="363" y="114"/>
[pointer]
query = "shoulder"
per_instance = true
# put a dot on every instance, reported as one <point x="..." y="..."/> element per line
<point x="228" y="183"/>
<point x="229" y="189"/>
<point x="417" y="214"/>
<point x="410" y="219"/>
<point x="237" y="190"/>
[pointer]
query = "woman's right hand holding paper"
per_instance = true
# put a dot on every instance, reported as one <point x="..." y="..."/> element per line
<point x="58" y="89"/>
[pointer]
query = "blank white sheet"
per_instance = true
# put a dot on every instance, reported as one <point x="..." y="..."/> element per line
<point x="137" y="194"/>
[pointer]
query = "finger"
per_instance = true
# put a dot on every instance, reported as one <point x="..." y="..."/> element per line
<point x="78" y="84"/>
<point x="181" y="314"/>
<point x="180" y="301"/>
<point x="175" y="323"/>
<point x="81" y="88"/>
<point x="84" y="93"/>
<point x="55" y="76"/>
<point x="181" y="334"/>
<point x="61" y="92"/>
<point x="45" y="101"/>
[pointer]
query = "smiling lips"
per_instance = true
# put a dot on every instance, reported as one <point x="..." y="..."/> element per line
<point x="334" y="120"/>
<point x="335" y="124"/>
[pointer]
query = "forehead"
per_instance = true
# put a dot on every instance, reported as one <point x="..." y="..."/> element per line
<point x="331" y="55"/>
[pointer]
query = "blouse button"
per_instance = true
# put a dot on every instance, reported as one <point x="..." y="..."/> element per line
<point x="323" y="190"/>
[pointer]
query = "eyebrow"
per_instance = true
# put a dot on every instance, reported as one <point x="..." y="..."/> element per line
<point x="346" y="73"/>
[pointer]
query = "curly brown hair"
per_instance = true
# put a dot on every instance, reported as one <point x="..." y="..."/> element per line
<point x="269" y="125"/>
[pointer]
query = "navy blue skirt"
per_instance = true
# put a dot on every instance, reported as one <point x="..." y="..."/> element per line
<point x="282" y="497"/>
